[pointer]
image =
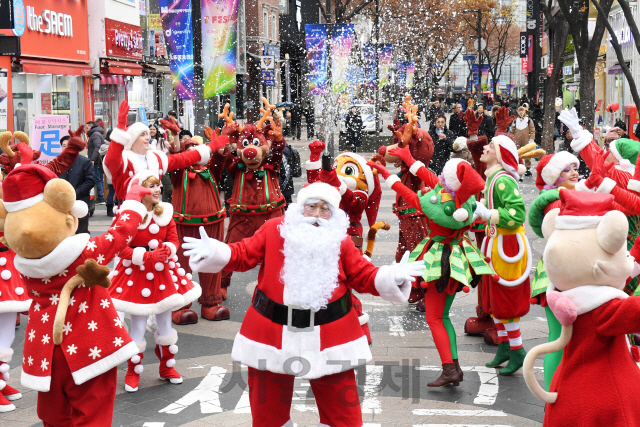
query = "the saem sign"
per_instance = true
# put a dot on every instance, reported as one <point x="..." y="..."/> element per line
<point x="50" y="22"/>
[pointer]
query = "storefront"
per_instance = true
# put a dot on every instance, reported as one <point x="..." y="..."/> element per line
<point x="52" y="75"/>
<point x="116" y="50"/>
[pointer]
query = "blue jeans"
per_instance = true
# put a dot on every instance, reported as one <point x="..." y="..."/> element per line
<point x="99" y="184"/>
<point x="111" y="195"/>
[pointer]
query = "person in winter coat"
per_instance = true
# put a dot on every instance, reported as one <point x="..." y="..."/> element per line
<point x="443" y="142"/>
<point x="487" y="127"/>
<point x="80" y="176"/>
<point x="353" y="123"/>
<point x="95" y="134"/>
<point x="524" y="132"/>
<point x="296" y="120"/>
<point x="457" y="124"/>
<point x="434" y="111"/>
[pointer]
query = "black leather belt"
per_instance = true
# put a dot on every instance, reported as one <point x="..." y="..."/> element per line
<point x="4" y="249"/>
<point x="298" y="319"/>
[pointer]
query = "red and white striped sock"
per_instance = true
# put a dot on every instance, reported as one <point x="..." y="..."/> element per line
<point x="515" y="339"/>
<point x="502" y="333"/>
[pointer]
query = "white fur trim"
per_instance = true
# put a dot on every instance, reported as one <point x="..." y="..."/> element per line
<point x="6" y="354"/>
<point x="167" y="215"/>
<point x="142" y="176"/>
<point x="589" y="297"/>
<point x="172" y="247"/>
<point x="205" y="154"/>
<point x="142" y="346"/>
<point x="313" y="165"/>
<point x="79" y="209"/>
<point x="134" y="206"/>
<point x="387" y="286"/>
<point x="288" y="423"/>
<point x="343" y="188"/>
<point x="627" y="166"/>
<point x="495" y="216"/>
<point x="450" y="174"/>
<point x="121" y="137"/>
<point x="461" y="215"/>
<point x="34" y="382"/>
<point x="570" y="222"/>
<point x="105" y="364"/>
<point x="614" y="150"/>
<point x="364" y="319"/>
<point x="634" y="185"/>
<point x="368" y="173"/>
<point x="173" y="349"/>
<point x="215" y="261"/>
<point x="164" y="161"/>
<point x="392" y="180"/>
<point x="581" y="186"/>
<point x="556" y="165"/>
<point x="322" y="191"/>
<point x="521" y="169"/>
<point x="152" y="156"/>
<point x="134" y="131"/>
<point x="65" y="254"/>
<point x="138" y="256"/>
<point x="606" y="186"/>
<point x="11" y="306"/>
<point x="170" y="339"/>
<point x="304" y="345"/>
<point x="172" y="302"/>
<point x="192" y="294"/>
<point x="584" y="139"/>
<point x="415" y="167"/>
<point x="23" y="204"/>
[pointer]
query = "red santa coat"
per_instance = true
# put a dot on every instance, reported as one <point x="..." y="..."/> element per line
<point x="13" y="295"/>
<point x="120" y="164"/>
<point x="94" y="339"/>
<point x="260" y="339"/>
<point x="591" y="152"/>
<point x="598" y="382"/>
<point x="145" y="288"/>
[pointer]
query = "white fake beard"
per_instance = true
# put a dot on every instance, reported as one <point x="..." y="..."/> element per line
<point x="311" y="257"/>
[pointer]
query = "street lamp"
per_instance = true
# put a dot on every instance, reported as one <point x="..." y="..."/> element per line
<point x="479" y="34"/>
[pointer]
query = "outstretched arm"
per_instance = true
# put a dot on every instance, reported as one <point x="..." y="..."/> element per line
<point x="68" y="156"/>
<point x="417" y="168"/>
<point x="393" y="182"/>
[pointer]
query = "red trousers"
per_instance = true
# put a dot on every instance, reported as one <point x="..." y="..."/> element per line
<point x="336" y="395"/>
<point x="209" y="282"/>
<point x="241" y="226"/>
<point x="412" y="231"/>
<point x="67" y="404"/>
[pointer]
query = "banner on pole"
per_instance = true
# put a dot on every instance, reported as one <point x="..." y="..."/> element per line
<point x="485" y="75"/>
<point x="400" y="74"/>
<point x="219" y="46"/>
<point x="369" y="53"/>
<point x="341" y="42"/>
<point x="411" y="71"/>
<point x="316" y="41"/>
<point x="385" y="53"/>
<point x="176" y="24"/>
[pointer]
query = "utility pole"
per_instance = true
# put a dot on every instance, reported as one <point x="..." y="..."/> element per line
<point x="479" y="55"/>
<point x="377" y="80"/>
<point x="327" y="110"/>
<point x="198" y="73"/>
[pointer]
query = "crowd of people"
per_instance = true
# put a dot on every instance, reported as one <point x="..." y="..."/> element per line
<point x="461" y="226"/>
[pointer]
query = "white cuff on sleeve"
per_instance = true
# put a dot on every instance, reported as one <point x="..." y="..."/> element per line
<point x="313" y="165"/>
<point x="634" y="185"/>
<point x="120" y="136"/>
<point x="132" y="205"/>
<point x="581" y="141"/>
<point x="138" y="256"/>
<point x="606" y="186"/>
<point x="343" y="188"/>
<point x="414" y="167"/>
<point x="495" y="216"/>
<point x="392" y="180"/>
<point x="205" y="154"/>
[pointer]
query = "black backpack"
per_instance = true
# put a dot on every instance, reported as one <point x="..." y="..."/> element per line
<point x="294" y="163"/>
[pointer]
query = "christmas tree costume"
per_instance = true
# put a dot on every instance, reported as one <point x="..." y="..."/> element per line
<point x="508" y="248"/>
<point x="452" y="261"/>
<point x="548" y="169"/>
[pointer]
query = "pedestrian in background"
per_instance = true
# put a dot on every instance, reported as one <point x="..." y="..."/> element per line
<point x="457" y="125"/>
<point x="80" y="176"/>
<point x="443" y="144"/>
<point x="95" y="135"/>
<point x="310" y="117"/>
<point x="486" y="127"/>
<point x="296" y="120"/>
<point x="353" y="123"/>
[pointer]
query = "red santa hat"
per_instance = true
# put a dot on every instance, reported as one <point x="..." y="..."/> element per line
<point x="134" y="131"/>
<point x="320" y="191"/>
<point x="464" y="181"/>
<point x="24" y="187"/>
<point x="507" y="154"/>
<point x="551" y="166"/>
<point x="580" y="210"/>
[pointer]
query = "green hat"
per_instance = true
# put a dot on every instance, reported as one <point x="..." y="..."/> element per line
<point x="626" y="151"/>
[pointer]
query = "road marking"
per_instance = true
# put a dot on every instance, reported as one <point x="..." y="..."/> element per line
<point x="244" y="405"/>
<point x="488" y="391"/>
<point x="153" y="425"/>
<point x="206" y="393"/>
<point x="371" y="425"/>
<point x="395" y="326"/>
<point x="459" y="412"/>
<point x="371" y="404"/>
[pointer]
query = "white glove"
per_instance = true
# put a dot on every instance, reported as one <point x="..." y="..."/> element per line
<point x="408" y="271"/>
<point x="571" y="120"/>
<point x="481" y="212"/>
<point x="197" y="249"/>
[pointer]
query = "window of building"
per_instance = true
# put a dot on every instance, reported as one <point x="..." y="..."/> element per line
<point x="265" y="24"/>
<point x="274" y="28"/>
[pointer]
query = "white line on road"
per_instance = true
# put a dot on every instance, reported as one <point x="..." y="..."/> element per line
<point x="459" y="412"/>
<point x="395" y="326"/>
<point x="206" y="393"/>
<point x="243" y="406"/>
<point x="153" y="425"/>
<point x="488" y="391"/>
<point x="371" y="404"/>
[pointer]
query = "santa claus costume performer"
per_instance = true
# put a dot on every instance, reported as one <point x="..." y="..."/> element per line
<point x="555" y="172"/>
<point x="507" y="247"/>
<point x="301" y="308"/>
<point x="196" y="202"/>
<point x="147" y="281"/>
<point x="76" y="380"/>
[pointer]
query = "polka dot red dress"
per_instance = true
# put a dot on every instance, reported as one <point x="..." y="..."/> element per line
<point x="142" y="287"/>
<point x="13" y="293"/>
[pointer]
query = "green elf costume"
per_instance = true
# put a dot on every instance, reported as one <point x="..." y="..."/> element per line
<point x="453" y="262"/>
<point x="549" y="182"/>
<point x="506" y="245"/>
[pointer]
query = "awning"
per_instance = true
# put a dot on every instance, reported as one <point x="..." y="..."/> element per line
<point x="120" y="67"/>
<point x="112" y="80"/>
<point x="157" y="71"/>
<point x="616" y="69"/>
<point x="50" y="67"/>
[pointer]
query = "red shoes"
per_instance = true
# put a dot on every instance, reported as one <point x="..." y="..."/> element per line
<point x="166" y="355"/>
<point x="215" y="312"/>
<point x="477" y="326"/>
<point x="135" y="368"/>
<point x="184" y="316"/>
<point x="7" y="393"/>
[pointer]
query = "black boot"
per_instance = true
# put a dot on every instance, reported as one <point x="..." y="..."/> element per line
<point x="110" y="210"/>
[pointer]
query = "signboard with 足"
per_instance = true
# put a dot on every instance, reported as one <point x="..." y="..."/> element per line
<point x="46" y="132"/>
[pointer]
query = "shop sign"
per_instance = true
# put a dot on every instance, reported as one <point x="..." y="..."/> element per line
<point x="45" y="103"/>
<point x="567" y="70"/>
<point x="4" y="96"/>
<point x="525" y="65"/>
<point x="50" y="22"/>
<point x="46" y="132"/>
<point x="123" y="40"/>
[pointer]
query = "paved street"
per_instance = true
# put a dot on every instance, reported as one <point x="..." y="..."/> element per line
<point x="393" y="386"/>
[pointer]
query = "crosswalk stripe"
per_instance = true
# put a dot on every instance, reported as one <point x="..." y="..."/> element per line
<point x="459" y="412"/>
<point x="207" y="393"/>
<point x="371" y="404"/>
<point x="395" y="326"/>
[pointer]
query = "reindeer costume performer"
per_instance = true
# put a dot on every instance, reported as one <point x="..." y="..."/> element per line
<point x="256" y="190"/>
